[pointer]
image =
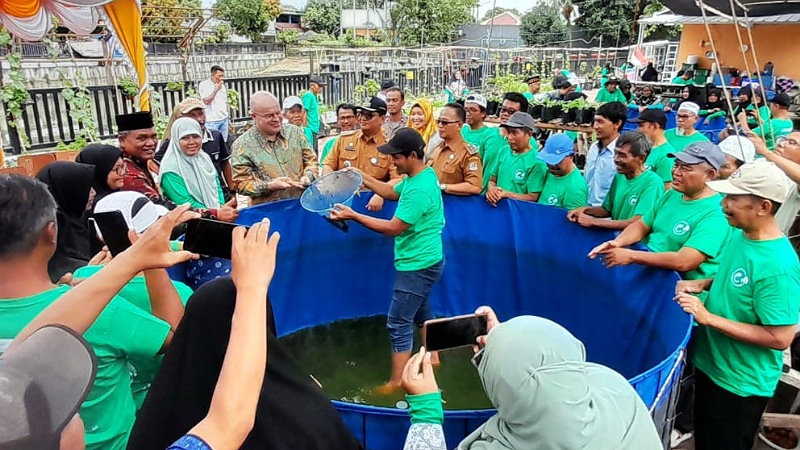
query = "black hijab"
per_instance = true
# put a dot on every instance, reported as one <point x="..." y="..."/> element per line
<point x="103" y="158"/>
<point x="70" y="184"/>
<point x="720" y="103"/>
<point x="695" y="96"/>
<point x="292" y="413"/>
<point x="650" y="73"/>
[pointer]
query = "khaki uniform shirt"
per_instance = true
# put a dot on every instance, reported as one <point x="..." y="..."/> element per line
<point x="390" y="128"/>
<point x="356" y="150"/>
<point x="256" y="161"/>
<point x="457" y="164"/>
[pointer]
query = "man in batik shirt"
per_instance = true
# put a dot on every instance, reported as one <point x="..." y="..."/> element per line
<point x="138" y="142"/>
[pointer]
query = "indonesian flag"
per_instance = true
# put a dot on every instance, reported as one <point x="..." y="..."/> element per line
<point x="638" y="57"/>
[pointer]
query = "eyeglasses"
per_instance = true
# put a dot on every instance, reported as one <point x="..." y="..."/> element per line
<point x="783" y="140"/>
<point x="367" y="115"/>
<point x="685" y="116"/>
<point x="120" y="170"/>
<point x="477" y="358"/>
<point x="268" y="116"/>
<point x="508" y="110"/>
<point x="351" y="117"/>
<point x="445" y="122"/>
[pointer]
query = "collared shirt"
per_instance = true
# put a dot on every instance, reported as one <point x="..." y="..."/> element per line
<point x="139" y="179"/>
<point x="390" y="128"/>
<point x="218" y="109"/>
<point x="457" y="163"/>
<point x="600" y="171"/>
<point x="359" y="151"/>
<point x="256" y="161"/>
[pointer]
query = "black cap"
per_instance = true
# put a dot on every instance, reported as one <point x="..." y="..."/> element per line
<point x="653" y="116"/>
<point x="375" y="104"/>
<point x="387" y="83"/>
<point x="141" y="120"/>
<point x="404" y="140"/>
<point x="782" y="99"/>
<point x="564" y="84"/>
<point x="317" y="80"/>
<point x="533" y="78"/>
<point x="612" y="80"/>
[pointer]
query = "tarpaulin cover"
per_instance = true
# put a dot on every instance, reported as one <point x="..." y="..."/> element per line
<point x="755" y="7"/>
<point x="520" y="258"/>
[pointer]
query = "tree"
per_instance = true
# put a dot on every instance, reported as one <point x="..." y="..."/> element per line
<point x="542" y="25"/>
<point x="417" y="22"/>
<point x="288" y="37"/>
<point x="168" y="20"/>
<point x="659" y="32"/>
<point x="248" y="17"/>
<point x="610" y="19"/>
<point x="499" y="10"/>
<point x="323" y="16"/>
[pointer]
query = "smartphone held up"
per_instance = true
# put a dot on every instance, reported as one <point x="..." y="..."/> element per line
<point x="454" y="332"/>
<point x="208" y="237"/>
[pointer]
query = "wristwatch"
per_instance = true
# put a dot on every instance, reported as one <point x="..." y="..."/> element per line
<point x="443" y="187"/>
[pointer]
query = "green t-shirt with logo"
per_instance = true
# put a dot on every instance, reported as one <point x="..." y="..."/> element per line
<point x="143" y="370"/>
<point x="420" y="206"/>
<point x="680" y="142"/>
<point x="122" y="330"/>
<point x="569" y="191"/>
<point x="772" y="129"/>
<point x="489" y="143"/>
<point x="636" y="197"/>
<point x="660" y="163"/>
<point x="520" y="173"/>
<point x="758" y="283"/>
<point x="698" y="224"/>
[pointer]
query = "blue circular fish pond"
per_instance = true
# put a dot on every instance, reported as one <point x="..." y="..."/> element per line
<point x="519" y="258"/>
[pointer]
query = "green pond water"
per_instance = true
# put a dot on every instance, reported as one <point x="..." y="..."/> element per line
<point x="352" y="357"/>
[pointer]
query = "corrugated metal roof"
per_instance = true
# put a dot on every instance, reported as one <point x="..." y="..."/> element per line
<point x="675" y="19"/>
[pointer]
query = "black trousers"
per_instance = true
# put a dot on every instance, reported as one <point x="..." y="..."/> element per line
<point x="722" y="419"/>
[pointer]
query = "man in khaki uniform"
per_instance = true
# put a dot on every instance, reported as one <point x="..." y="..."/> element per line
<point x="360" y="149"/>
<point x="457" y="163"/>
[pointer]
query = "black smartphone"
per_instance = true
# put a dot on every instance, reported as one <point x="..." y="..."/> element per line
<point x="453" y="332"/>
<point x="209" y="237"/>
<point x="114" y="231"/>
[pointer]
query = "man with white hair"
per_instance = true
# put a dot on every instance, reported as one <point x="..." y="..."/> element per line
<point x="296" y="114"/>
<point x="738" y="150"/>
<point x="271" y="161"/>
<point x="685" y="134"/>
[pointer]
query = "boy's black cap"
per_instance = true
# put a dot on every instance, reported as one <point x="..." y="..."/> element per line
<point x="404" y="140"/>
<point x="652" y="116"/>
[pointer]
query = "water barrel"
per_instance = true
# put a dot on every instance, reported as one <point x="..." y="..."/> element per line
<point x="520" y="258"/>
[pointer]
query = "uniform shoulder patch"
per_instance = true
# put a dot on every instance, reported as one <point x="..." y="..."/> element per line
<point x="471" y="149"/>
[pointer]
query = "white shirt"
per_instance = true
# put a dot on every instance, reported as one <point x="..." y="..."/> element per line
<point x="788" y="210"/>
<point x="218" y="109"/>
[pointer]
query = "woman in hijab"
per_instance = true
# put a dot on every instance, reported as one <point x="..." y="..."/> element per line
<point x="292" y="411"/>
<point x="650" y="73"/>
<point x="647" y="100"/>
<point x="109" y="169"/>
<point x="714" y="106"/>
<point x="547" y="396"/>
<point x="625" y="87"/>
<point x="690" y="94"/>
<point x="71" y="186"/>
<point x="753" y="103"/>
<point x="421" y="119"/>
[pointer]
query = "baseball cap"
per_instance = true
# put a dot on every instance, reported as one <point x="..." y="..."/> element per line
<point x="611" y="80"/>
<point x="317" y="80"/>
<point x="700" y="152"/>
<point x="782" y="99"/>
<point x="190" y="104"/>
<point x="404" y="140"/>
<point x="739" y="147"/>
<point x="556" y="148"/>
<point x="478" y="99"/>
<point x="43" y="383"/>
<point x="291" y="101"/>
<point x="656" y="116"/>
<point x="759" y="177"/>
<point x="690" y="107"/>
<point x="139" y="212"/>
<point x="387" y="83"/>
<point x="374" y="104"/>
<point x="519" y="120"/>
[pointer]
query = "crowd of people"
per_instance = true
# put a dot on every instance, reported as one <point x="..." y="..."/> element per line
<point x="716" y="214"/>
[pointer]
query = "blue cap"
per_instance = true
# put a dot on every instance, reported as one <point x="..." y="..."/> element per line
<point x="557" y="147"/>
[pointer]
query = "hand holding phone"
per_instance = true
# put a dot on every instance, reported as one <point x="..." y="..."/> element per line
<point x="209" y="237"/>
<point x="113" y="231"/>
<point x="454" y="332"/>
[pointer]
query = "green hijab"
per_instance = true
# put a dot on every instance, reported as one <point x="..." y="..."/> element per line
<point x="548" y="398"/>
<point x="197" y="171"/>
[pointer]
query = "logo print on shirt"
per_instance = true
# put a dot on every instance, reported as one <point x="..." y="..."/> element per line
<point x="519" y="174"/>
<point x="473" y="166"/>
<point x="681" y="228"/>
<point x="739" y="278"/>
<point x="552" y="200"/>
<point x="648" y="167"/>
<point x="633" y="200"/>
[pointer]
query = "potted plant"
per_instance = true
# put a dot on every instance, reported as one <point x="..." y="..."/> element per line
<point x="585" y="113"/>
<point x="233" y="99"/>
<point x="34" y="162"/>
<point x="493" y="105"/>
<point x="535" y="110"/>
<point x="129" y="88"/>
<point x="175" y="86"/>
<point x="551" y="110"/>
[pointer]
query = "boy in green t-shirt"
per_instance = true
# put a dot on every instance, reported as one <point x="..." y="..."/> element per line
<point x="634" y="191"/>
<point x="686" y="230"/>
<point x="749" y="315"/>
<point x="417" y="231"/>
<point x="780" y="124"/>
<point x="564" y="185"/>
<point x="486" y="139"/>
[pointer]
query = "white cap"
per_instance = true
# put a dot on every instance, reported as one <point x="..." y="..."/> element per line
<point x="760" y="178"/>
<point x="291" y="102"/>
<point x="478" y="99"/>
<point x="138" y="210"/>
<point x="690" y="107"/>
<point x="739" y="147"/>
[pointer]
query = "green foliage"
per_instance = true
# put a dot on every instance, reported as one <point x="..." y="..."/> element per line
<point x="233" y="98"/>
<point x="658" y="32"/>
<point x="78" y="144"/>
<point x="499" y="10"/>
<point x="175" y="86"/>
<point x="542" y="25"/>
<point x="129" y="87"/>
<point x="367" y="90"/>
<point x="610" y="19"/>
<point x="166" y="21"/>
<point x="323" y="16"/>
<point x="80" y="108"/>
<point x="288" y="37"/>
<point x="222" y="35"/>
<point x="509" y="83"/>
<point x="416" y="22"/>
<point x="160" y="118"/>
<point x="14" y="92"/>
<point x="248" y="17"/>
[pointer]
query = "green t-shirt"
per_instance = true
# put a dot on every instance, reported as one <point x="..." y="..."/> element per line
<point x="143" y="369"/>
<point x="311" y="105"/>
<point x="520" y="173"/>
<point x="628" y="198"/>
<point x="489" y="143"/>
<point x="174" y="188"/>
<point x="680" y="142"/>
<point x="660" y="163"/>
<point x="604" y="96"/>
<point x="309" y="134"/>
<point x="758" y="283"/>
<point x="569" y="191"/>
<point x="698" y="224"/>
<point x="121" y="331"/>
<point x="420" y="206"/>
<point x="772" y="129"/>
<point x="327" y="149"/>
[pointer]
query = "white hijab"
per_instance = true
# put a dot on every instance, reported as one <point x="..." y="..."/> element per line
<point x="197" y="172"/>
